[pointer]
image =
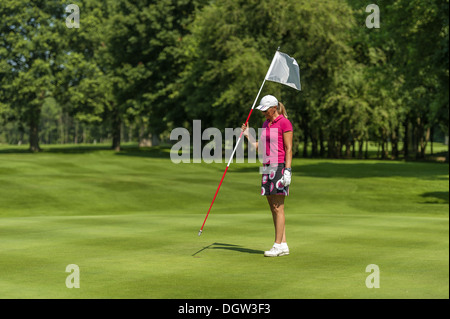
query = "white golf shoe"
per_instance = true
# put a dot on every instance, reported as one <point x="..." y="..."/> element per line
<point x="277" y="251"/>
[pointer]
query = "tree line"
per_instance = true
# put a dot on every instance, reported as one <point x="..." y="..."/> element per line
<point x="135" y="70"/>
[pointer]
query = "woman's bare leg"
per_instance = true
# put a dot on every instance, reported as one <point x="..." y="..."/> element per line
<point x="276" y="204"/>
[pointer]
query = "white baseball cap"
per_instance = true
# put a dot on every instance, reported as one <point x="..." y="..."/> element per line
<point x="267" y="102"/>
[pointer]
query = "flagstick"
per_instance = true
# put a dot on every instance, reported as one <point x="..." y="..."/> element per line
<point x="298" y="87"/>
<point x="232" y="155"/>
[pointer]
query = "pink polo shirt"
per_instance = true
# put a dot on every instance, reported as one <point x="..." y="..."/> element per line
<point x="272" y="140"/>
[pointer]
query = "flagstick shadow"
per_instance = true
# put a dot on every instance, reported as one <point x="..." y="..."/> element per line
<point x="229" y="247"/>
<point x="203" y="249"/>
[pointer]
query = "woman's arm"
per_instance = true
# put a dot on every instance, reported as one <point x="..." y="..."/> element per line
<point x="250" y="139"/>
<point x="287" y="138"/>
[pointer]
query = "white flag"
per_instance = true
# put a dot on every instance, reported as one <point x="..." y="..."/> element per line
<point x="284" y="70"/>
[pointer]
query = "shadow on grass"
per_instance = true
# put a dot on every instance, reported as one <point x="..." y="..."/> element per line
<point x="428" y="171"/>
<point x="126" y="150"/>
<point x="436" y="197"/>
<point x="229" y="247"/>
<point x="63" y="149"/>
<point x="76" y="149"/>
<point x="360" y="169"/>
<point x="146" y="152"/>
<point x="14" y="150"/>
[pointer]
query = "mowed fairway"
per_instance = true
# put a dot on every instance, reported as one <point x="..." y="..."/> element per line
<point x="130" y="220"/>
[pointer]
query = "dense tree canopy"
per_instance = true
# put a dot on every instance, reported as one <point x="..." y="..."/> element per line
<point x="137" y="69"/>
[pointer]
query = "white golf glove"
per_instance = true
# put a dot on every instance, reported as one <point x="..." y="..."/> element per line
<point x="286" y="179"/>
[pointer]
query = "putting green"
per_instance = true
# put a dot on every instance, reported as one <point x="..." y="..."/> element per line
<point x="130" y="220"/>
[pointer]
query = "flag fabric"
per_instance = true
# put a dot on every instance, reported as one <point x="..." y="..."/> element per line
<point x="284" y="70"/>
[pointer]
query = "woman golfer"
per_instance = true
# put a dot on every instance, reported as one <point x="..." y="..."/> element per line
<point x="275" y="143"/>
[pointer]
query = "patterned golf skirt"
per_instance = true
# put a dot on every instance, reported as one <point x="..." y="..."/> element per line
<point x="271" y="180"/>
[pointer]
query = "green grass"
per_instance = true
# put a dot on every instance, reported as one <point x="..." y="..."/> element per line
<point x="129" y="220"/>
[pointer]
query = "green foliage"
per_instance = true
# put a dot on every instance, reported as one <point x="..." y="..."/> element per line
<point x="145" y="67"/>
<point x="138" y="57"/>
<point x="31" y="41"/>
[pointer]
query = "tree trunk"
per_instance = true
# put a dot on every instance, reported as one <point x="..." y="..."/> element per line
<point x="360" y="149"/>
<point x="421" y="139"/>
<point x="76" y="133"/>
<point x="448" y="153"/>
<point x="406" y="139"/>
<point x="417" y="133"/>
<point x="321" y="143"/>
<point x="34" y="134"/>
<point x="353" y="148"/>
<point x="383" y="149"/>
<point x="431" y="139"/>
<point x="366" y="154"/>
<point x="348" y="151"/>
<point x="116" y="128"/>
<point x="394" y="141"/>
<point x="424" y="142"/>
<point x="305" y="143"/>
<point x="21" y="133"/>
<point x="314" y="145"/>
<point x="331" y="147"/>
<point x="305" y="128"/>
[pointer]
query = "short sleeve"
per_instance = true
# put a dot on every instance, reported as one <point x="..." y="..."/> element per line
<point x="286" y="125"/>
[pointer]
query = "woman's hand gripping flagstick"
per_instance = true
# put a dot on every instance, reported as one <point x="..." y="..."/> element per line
<point x="283" y="69"/>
